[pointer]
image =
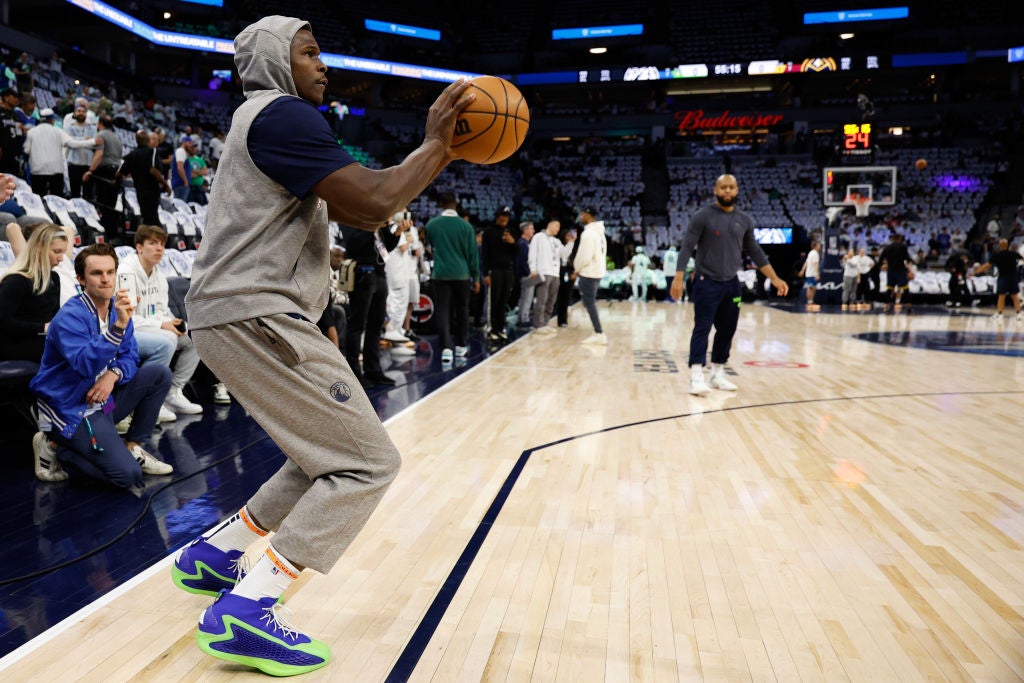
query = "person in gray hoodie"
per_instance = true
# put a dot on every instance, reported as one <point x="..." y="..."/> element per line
<point x="258" y="285"/>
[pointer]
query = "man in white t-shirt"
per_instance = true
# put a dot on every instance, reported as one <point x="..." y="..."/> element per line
<point x="811" y="272"/>
<point x="216" y="148"/>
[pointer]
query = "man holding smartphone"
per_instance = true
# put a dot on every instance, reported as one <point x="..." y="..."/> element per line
<point x="89" y="378"/>
<point x="159" y="332"/>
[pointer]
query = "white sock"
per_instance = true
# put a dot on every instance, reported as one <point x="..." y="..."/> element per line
<point x="696" y="371"/>
<point x="269" y="578"/>
<point x="237" y="533"/>
<point x="717" y="369"/>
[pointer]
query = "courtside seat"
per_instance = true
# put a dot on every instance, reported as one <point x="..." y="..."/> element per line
<point x="6" y="257"/>
<point x="181" y="264"/>
<point x="14" y="392"/>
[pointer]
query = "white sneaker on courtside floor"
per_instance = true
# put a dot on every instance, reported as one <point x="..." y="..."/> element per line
<point x="461" y="351"/>
<point x="698" y="387"/>
<point x="165" y="415"/>
<point x="394" y="336"/>
<point x="446" y="356"/>
<point x="220" y="394"/>
<point x="150" y="465"/>
<point x="123" y="426"/>
<point x="177" y="402"/>
<point x="47" y="466"/>
<point x="598" y="338"/>
<point x="719" y="381"/>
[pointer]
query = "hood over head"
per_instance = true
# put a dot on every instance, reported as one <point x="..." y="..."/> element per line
<point x="263" y="54"/>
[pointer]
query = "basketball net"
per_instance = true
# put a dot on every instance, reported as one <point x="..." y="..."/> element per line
<point x="862" y="205"/>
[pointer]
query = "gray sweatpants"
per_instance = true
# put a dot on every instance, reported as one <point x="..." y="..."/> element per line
<point x="300" y="389"/>
<point x="547" y="292"/>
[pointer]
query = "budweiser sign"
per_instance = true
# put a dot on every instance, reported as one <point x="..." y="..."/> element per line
<point x="696" y="120"/>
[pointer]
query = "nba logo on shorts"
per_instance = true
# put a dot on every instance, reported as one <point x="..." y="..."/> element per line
<point x="340" y="392"/>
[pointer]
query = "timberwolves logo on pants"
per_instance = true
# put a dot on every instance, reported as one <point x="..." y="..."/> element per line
<point x="340" y="392"/>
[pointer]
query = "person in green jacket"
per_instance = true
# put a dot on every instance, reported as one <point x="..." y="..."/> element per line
<point x="456" y="271"/>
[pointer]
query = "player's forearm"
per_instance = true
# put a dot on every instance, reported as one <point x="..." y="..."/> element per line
<point x="365" y="198"/>
<point x="769" y="272"/>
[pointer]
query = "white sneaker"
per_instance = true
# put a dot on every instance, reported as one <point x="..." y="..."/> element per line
<point x="177" y="402"/>
<point x="150" y="465"/>
<point x="997" y="316"/>
<point x="124" y="425"/>
<point x="698" y="387"/>
<point x="597" y="338"/>
<point x="47" y="466"/>
<point x="721" y="382"/>
<point x="405" y="349"/>
<point x="446" y="356"/>
<point x="220" y="394"/>
<point x="461" y="351"/>
<point x="1020" y="317"/>
<point x="165" y="415"/>
<point x="395" y="336"/>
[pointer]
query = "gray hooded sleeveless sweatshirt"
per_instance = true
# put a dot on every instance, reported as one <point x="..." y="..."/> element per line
<point x="264" y="251"/>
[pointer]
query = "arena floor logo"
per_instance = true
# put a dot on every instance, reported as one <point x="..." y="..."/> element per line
<point x="1008" y="343"/>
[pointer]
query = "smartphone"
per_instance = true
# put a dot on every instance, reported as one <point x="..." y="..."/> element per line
<point x="402" y="216"/>
<point x="182" y="326"/>
<point x="127" y="281"/>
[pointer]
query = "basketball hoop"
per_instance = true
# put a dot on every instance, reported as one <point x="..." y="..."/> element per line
<point x="862" y="205"/>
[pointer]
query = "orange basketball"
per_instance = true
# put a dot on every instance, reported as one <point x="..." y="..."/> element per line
<point x="921" y="164"/>
<point x="493" y="126"/>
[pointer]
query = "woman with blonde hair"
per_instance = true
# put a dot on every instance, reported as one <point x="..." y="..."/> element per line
<point x="30" y="293"/>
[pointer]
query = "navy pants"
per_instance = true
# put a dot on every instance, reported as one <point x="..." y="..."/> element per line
<point x="588" y="290"/>
<point x="718" y="304"/>
<point x="110" y="460"/>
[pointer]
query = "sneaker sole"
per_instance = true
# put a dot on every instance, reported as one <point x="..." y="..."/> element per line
<point x="206" y="642"/>
<point x="204" y="575"/>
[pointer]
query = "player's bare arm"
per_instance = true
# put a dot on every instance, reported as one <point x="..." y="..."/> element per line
<point x="364" y="198"/>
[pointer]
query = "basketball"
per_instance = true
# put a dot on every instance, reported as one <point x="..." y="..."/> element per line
<point x="492" y="127"/>
<point x="921" y="164"/>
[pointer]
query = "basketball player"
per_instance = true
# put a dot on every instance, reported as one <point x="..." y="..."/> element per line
<point x="721" y="233"/>
<point x="897" y="261"/>
<point x="1005" y="262"/>
<point x="257" y="288"/>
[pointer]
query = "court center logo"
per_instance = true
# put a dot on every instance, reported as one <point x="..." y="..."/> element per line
<point x="340" y="392"/>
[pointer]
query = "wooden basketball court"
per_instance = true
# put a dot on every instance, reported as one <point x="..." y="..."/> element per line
<point x="854" y="512"/>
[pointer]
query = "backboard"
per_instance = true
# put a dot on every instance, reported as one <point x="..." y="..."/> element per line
<point x="842" y="184"/>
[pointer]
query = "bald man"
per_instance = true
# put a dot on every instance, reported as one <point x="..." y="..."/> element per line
<point x="721" y="233"/>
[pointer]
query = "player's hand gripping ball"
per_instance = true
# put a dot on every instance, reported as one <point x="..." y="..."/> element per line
<point x="492" y="127"/>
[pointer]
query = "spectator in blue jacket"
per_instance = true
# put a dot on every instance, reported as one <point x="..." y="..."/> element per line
<point x="89" y="379"/>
